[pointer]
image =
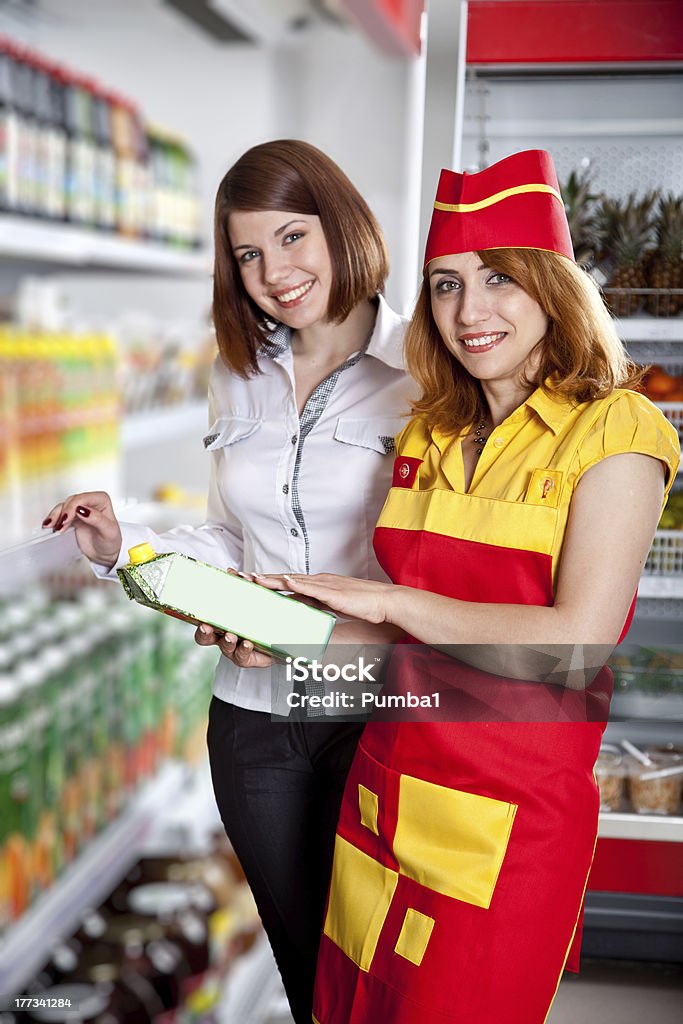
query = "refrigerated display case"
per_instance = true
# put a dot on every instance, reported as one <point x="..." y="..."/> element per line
<point x="605" y="99"/>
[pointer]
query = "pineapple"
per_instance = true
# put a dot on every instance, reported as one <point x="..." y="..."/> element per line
<point x="578" y="203"/>
<point x="625" y="229"/>
<point x="666" y="266"/>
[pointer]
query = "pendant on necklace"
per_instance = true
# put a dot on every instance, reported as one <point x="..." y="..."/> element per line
<point x="479" y="438"/>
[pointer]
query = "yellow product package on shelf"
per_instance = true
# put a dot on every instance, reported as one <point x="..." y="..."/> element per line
<point x="188" y="589"/>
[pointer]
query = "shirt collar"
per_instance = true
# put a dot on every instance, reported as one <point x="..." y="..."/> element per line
<point x="552" y="408"/>
<point x="386" y="340"/>
<point x="385" y="344"/>
<point x="277" y="341"/>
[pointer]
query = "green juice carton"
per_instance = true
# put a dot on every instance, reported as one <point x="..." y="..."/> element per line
<point x="188" y="589"/>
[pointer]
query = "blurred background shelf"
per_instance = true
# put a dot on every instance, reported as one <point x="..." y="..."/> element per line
<point x="165" y="423"/>
<point x="650" y="328"/>
<point x="655" y="827"/>
<point x="32" y="240"/>
<point x="86" y="882"/>
<point x="661" y="587"/>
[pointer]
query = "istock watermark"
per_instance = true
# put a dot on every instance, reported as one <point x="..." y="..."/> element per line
<point x="300" y="670"/>
<point x="452" y="683"/>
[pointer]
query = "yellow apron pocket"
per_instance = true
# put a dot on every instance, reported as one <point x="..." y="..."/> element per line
<point x="450" y="841"/>
<point x="361" y="891"/>
<point x="368" y="803"/>
<point x="414" y="936"/>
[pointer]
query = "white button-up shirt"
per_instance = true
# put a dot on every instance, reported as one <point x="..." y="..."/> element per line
<point x="289" y="492"/>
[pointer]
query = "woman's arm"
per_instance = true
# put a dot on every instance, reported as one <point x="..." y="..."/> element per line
<point x="613" y="516"/>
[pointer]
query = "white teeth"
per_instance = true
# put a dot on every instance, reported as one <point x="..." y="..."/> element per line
<point x="485" y="339"/>
<point x="295" y="293"/>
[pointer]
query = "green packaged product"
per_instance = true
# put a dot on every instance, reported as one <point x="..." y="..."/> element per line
<point x="196" y="592"/>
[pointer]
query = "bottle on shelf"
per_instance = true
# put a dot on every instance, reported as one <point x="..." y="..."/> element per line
<point x="105" y="161"/>
<point x="24" y="89"/>
<point x="9" y="128"/>
<point x="56" y="156"/>
<point x="80" y="193"/>
<point x="123" y="143"/>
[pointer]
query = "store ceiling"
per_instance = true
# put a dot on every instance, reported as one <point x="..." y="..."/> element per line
<point x="257" y="21"/>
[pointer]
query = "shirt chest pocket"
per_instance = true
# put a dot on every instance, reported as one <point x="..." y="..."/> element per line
<point x="374" y="433"/>
<point x="545" y="487"/>
<point x="229" y="430"/>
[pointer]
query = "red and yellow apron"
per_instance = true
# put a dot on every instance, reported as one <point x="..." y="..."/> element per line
<point x="464" y="846"/>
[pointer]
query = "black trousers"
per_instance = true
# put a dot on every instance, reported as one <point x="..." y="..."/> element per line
<point x="278" y="787"/>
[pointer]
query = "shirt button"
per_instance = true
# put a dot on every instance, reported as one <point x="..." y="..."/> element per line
<point x="285" y="488"/>
<point x="294" y="532"/>
<point x="499" y="442"/>
<point x="294" y="438"/>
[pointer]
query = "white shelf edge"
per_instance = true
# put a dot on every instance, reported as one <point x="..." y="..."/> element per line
<point x="85" y="883"/>
<point x="159" y="425"/>
<point x="32" y="558"/>
<point x="522" y="127"/>
<point x="660" y="586"/>
<point x="653" y="827"/>
<point x="650" y="328"/>
<point x="66" y="245"/>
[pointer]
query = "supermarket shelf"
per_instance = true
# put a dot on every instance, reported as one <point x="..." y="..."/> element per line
<point x="661" y="587"/>
<point x="566" y="127"/>
<point x="163" y="424"/>
<point x="650" y="328"/>
<point x="46" y="552"/>
<point x="85" y="883"/>
<point x="22" y="238"/>
<point x="26" y="562"/>
<point x="660" y="827"/>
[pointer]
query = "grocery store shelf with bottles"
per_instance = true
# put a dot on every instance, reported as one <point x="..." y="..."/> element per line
<point x="117" y="122"/>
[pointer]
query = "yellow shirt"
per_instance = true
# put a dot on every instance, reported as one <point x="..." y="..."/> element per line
<point x="525" y="479"/>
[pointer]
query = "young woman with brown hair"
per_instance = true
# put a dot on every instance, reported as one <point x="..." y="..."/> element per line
<point x="305" y="398"/>
<point x="525" y="496"/>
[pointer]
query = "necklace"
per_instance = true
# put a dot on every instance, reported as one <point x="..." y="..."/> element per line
<point x="478" y="437"/>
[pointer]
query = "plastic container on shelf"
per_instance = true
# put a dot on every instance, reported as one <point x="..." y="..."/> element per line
<point x="656" y="788"/>
<point x="610" y="773"/>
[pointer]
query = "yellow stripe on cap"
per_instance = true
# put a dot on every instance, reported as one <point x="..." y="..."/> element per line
<point x="496" y="198"/>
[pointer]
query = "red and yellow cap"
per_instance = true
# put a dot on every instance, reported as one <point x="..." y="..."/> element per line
<point x="515" y="202"/>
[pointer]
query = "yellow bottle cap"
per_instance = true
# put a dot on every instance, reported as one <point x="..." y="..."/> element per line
<point x="141" y="553"/>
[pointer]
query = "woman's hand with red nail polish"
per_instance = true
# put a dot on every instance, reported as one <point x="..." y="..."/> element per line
<point x="97" y="528"/>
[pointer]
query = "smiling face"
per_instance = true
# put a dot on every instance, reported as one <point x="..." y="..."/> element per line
<point x="284" y="263"/>
<point x="486" y="320"/>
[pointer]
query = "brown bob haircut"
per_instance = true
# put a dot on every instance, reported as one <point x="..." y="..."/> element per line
<point x="295" y="177"/>
<point x="581" y="354"/>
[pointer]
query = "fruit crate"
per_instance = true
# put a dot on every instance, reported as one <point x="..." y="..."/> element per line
<point x="623" y="302"/>
<point x="666" y="554"/>
<point x="663" y="385"/>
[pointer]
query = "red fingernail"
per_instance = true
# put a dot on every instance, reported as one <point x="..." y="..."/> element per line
<point x="46" y="522"/>
<point x="85" y="512"/>
<point x="61" y="522"/>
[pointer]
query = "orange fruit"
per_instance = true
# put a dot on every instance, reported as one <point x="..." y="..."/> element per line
<point x="659" y="384"/>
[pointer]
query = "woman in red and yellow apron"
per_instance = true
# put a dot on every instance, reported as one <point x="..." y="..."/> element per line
<point x="525" y="496"/>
